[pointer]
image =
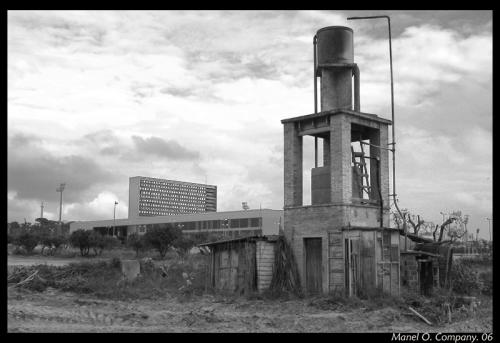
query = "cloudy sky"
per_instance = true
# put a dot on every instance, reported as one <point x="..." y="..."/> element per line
<point x="97" y="97"/>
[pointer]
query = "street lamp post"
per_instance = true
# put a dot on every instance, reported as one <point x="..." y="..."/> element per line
<point x="114" y="212"/>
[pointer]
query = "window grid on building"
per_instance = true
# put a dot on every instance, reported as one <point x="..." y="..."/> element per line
<point x="159" y="197"/>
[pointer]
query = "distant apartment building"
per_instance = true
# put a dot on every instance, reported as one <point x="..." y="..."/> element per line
<point x="149" y="197"/>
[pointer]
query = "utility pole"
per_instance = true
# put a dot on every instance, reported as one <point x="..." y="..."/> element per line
<point x="60" y="189"/>
<point x="41" y="212"/>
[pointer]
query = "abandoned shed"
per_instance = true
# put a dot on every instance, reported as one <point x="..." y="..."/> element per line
<point x="444" y="251"/>
<point x="241" y="265"/>
<point x="419" y="271"/>
<point x="425" y="264"/>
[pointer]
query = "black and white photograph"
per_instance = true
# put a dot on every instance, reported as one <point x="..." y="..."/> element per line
<point x="251" y="171"/>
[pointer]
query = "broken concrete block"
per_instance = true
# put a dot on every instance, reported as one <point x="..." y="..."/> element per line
<point x="130" y="269"/>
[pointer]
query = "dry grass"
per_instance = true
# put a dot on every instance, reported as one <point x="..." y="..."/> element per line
<point x="104" y="279"/>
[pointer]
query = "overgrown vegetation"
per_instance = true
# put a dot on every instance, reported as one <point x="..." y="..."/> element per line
<point x="137" y="243"/>
<point x="27" y="240"/>
<point x="86" y="240"/>
<point x="81" y="239"/>
<point x="161" y="239"/>
<point x="285" y="273"/>
<point x="472" y="276"/>
<point x="52" y="242"/>
<point x="104" y="279"/>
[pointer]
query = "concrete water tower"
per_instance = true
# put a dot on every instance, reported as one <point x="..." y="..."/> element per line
<point x="342" y="241"/>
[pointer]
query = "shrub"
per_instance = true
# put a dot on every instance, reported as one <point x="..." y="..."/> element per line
<point x="136" y="242"/>
<point x="183" y="244"/>
<point x="464" y="278"/>
<point x="487" y="282"/>
<point x="45" y="241"/>
<point x="99" y="242"/>
<point x="161" y="239"/>
<point x="27" y="240"/>
<point x="58" y="241"/>
<point x="81" y="239"/>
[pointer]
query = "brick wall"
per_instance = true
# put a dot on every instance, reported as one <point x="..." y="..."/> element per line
<point x="292" y="165"/>
<point x="410" y="273"/>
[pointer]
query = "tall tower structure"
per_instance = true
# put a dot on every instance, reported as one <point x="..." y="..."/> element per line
<point x="342" y="241"/>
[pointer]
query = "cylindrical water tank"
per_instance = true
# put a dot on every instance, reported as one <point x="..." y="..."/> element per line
<point x="335" y="45"/>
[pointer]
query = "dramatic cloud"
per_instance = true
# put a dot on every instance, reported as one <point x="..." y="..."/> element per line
<point x="95" y="97"/>
<point x="163" y="148"/>
<point x="35" y="175"/>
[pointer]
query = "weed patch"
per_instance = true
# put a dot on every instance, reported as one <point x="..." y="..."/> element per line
<point x="105" y="280"/>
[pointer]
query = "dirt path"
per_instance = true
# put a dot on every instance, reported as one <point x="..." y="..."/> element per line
<point x="55" y="311"/>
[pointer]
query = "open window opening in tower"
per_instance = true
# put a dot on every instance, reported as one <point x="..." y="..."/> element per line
<point x="364" y="154"/>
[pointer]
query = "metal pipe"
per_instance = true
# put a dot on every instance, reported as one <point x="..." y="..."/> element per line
<point x="380" y="194"/>
<point x="373" y="145"/>
<point x="114" y="212"/>
<point x="355" y="71"/>
<point x="392" y="102"/>
<point x="315" y="40"/>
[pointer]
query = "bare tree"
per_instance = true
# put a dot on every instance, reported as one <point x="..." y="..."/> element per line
<point x="417" y="226"/>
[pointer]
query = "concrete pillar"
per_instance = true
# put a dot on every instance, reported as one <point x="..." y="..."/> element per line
<point x="292" y="165"/>
<point x="336" y="88"/>
<point x="340" y="159"/>
<point x="384" y="163"/>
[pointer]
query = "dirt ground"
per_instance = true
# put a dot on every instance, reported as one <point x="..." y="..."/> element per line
<point x="56" y="311"/>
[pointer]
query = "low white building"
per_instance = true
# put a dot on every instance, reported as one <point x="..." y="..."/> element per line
<point x="247" y="222"/>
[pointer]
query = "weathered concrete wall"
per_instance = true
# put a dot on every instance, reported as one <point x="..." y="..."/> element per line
<point x="366" y="215"/>
<point x="313" y="222"/>
<point x="265" y="261"/>
<point x="320" y="185"/>
<point x="319" y="221"/>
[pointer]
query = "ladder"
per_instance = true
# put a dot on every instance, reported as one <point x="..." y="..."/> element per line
<point x="361" y="166"/>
